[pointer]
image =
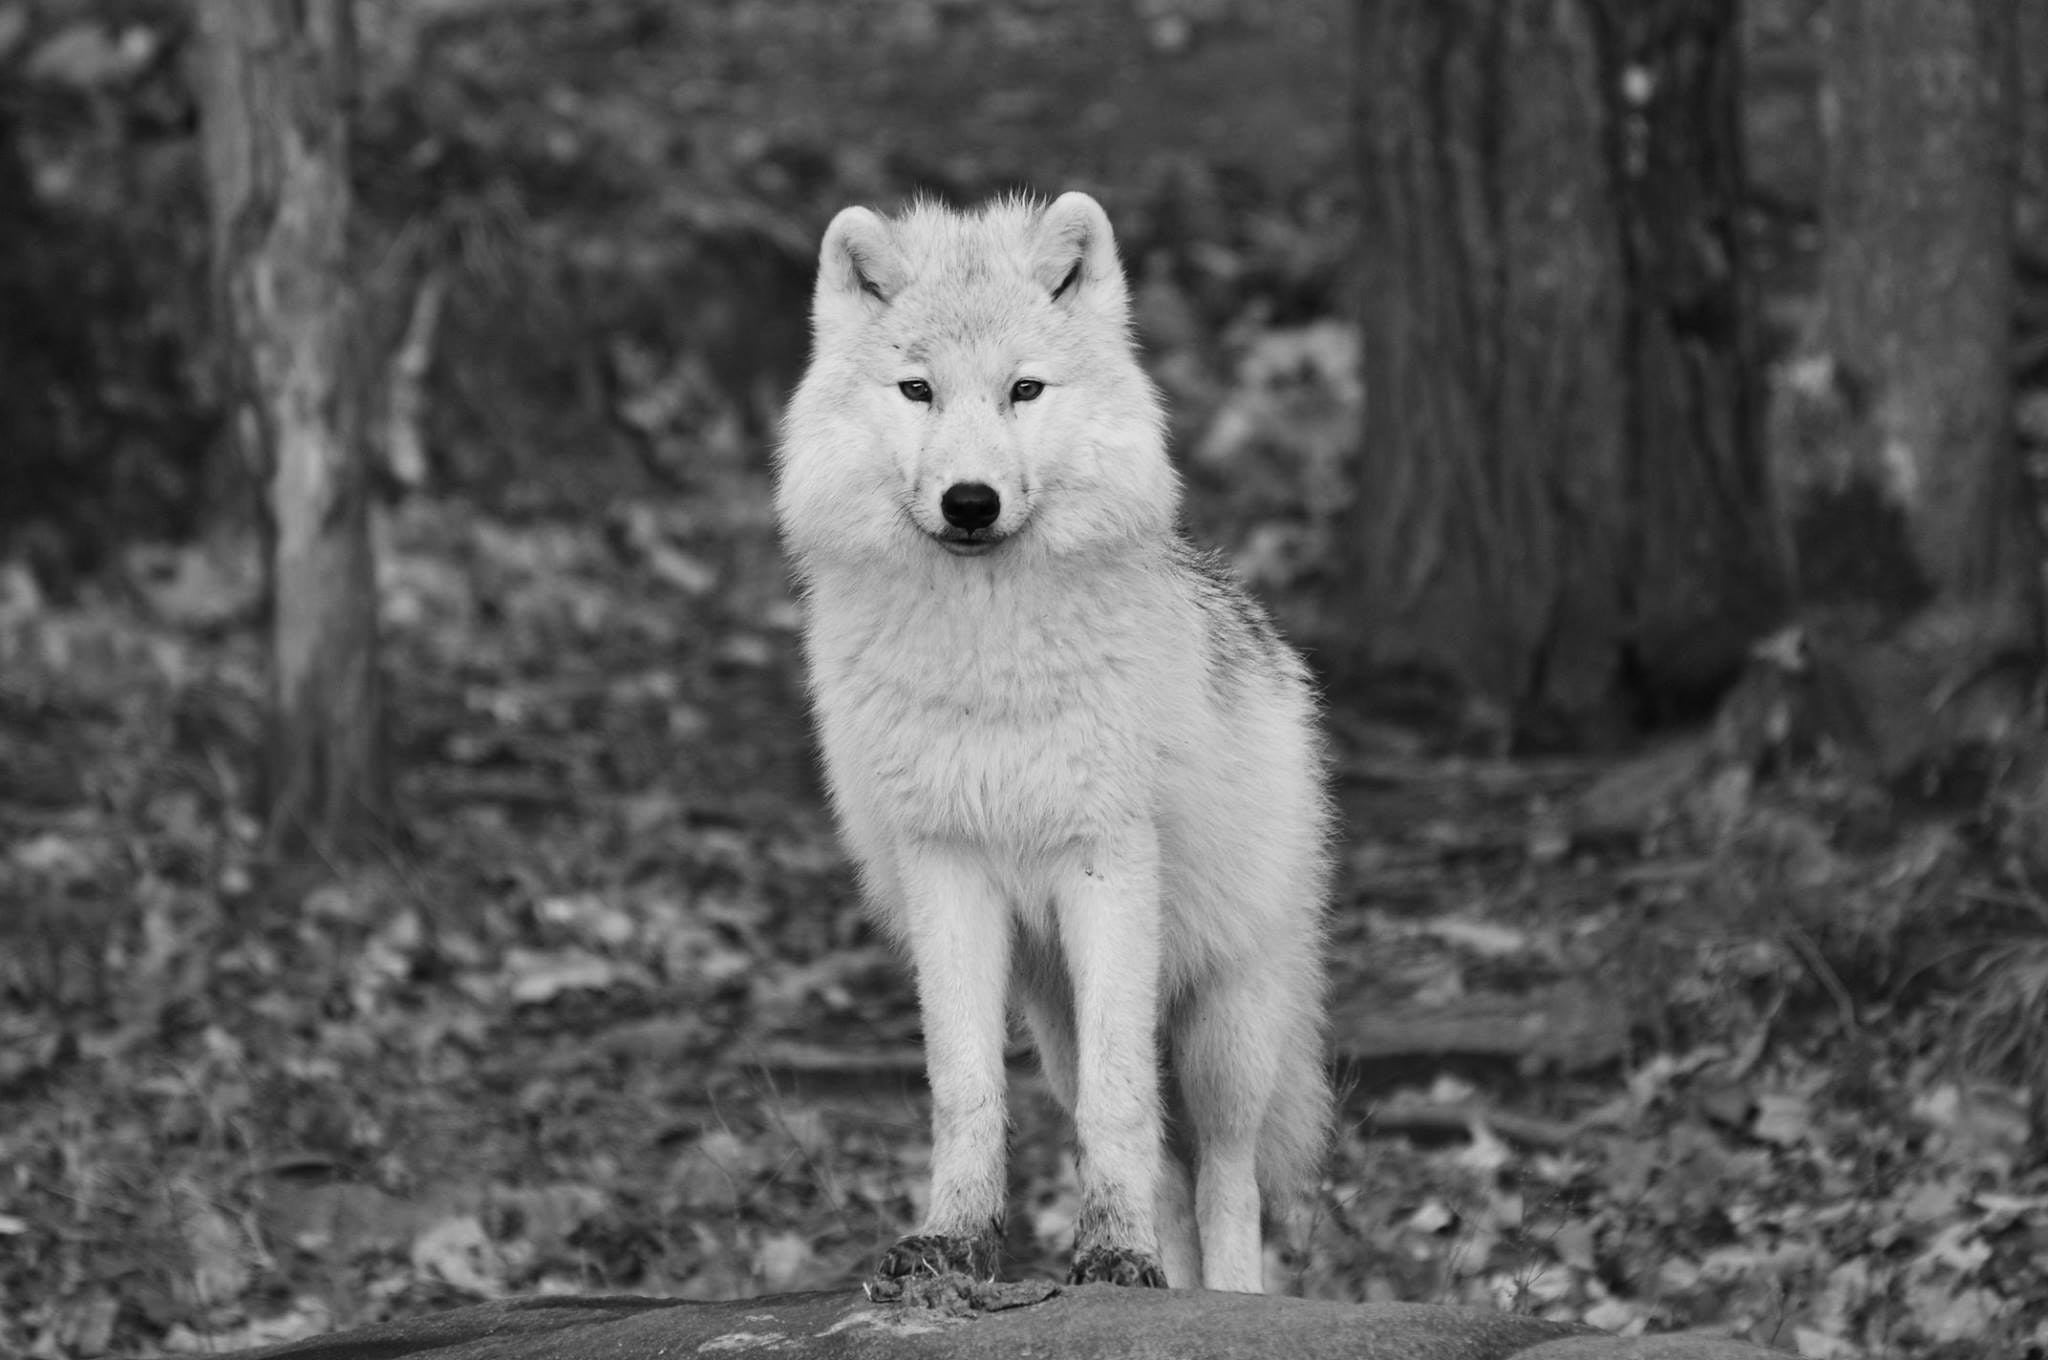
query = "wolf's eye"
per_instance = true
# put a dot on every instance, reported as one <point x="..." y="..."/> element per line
<point x="1026" y="389"/>
<point x="917" y="389"/>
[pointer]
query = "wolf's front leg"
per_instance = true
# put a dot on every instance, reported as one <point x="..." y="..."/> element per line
<point x="1109" y="922"/>
<point x="958" y="927"/>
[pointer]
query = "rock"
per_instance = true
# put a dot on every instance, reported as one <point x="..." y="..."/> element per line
<point x="1005" y="1321"/>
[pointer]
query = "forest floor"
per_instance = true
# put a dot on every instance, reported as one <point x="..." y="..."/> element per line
<point x="607" y="1017"/>
<point x="1665" y="1040"/>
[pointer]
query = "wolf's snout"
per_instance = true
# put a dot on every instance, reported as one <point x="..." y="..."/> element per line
<point x="970" y="505"/>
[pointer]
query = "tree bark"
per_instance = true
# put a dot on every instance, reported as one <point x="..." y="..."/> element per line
<point x="1906" y="517"/>
<point x="274" y="84"/>
<point x="1561" y="495"/>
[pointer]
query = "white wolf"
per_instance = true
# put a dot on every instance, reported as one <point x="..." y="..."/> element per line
<point x="1077" y="767"/>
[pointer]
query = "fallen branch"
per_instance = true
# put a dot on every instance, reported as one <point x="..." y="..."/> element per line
<point x="1468" y="1118"/>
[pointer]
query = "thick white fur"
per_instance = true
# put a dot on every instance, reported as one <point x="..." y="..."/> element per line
<point x="1079" y="771"/>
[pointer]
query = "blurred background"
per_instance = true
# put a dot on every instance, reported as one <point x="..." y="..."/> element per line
<point x="414" y="883"/>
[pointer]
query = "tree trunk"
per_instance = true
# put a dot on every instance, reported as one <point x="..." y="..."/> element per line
<point x="1561" y="495"/>
<point x="1908" y="524"/>
<point x="274" y="85"/>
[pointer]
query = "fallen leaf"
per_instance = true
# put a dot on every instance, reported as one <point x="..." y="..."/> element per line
<point x="717" y="1174"/>
<point x="458" y="1251"/>
<point x="541" y="975"/>
<point x="1486" y="1153"/>
<point x="220" y="1261"/>
<point x="1965" y="1315"/>
<point x="82" y="1326"/>
<point x="54" y="856"/>
<point x="1818" y="1345"/>
<point x="1488" y="939"/>
<point x="1434" y="1216"/>
<point x="782" y="1260"/>
<point x="89" y="55"/>
<point x="1931" y="1202"/>
<point x="1614" y="1315"/>
<point x="1574" y="1244"/>
<point x="1783" y="1117"/>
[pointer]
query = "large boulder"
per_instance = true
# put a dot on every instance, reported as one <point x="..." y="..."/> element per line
<point x="1003" y="1320"/>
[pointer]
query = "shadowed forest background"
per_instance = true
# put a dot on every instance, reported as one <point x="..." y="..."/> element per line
<point x="1689" y="951"/>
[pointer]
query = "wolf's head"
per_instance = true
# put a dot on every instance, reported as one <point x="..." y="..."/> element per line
<point x="973" y="392"/>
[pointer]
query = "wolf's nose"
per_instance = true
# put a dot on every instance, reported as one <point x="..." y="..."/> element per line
<point x="970" y="505"/>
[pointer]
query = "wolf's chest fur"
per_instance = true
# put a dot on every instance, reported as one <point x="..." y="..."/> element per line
<point x="993" y="707"/>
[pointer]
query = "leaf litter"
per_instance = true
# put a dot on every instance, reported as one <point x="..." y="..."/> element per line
<point x="635" y="1034"/>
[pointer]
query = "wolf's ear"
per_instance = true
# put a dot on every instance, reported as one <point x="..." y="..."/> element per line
<point x="858" y="265"/>
<point x="1075" y="260"/>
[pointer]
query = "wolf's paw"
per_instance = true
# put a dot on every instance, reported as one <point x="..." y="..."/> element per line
<point x="1117" y="1265"/>
<point x="936" y="1254"/>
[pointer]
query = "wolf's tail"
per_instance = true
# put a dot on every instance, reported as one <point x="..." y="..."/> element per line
<point x="1295" y="1138"/>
